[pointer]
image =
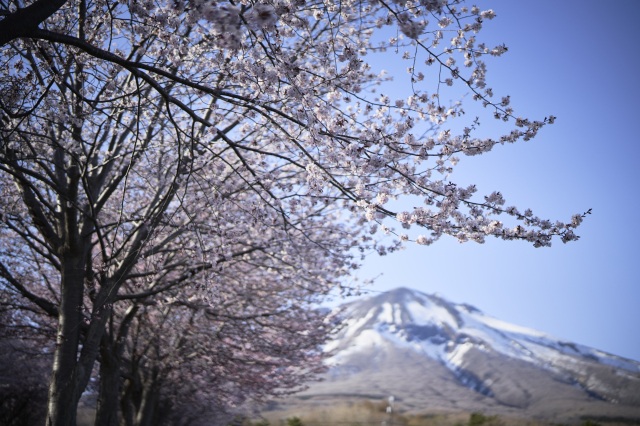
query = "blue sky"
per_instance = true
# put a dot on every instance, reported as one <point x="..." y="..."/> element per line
<point x="577" y="60"/>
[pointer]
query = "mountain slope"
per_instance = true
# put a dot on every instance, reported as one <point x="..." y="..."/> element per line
<point x="432" y="354"/>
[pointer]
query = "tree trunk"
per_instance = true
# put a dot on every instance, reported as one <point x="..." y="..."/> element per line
<point x="68" y="377"/>
<point x="109" y="392"/>
<point x="112" y="391"/>
<point x="131" y="399"/>
<point x="148" y="409"/>
<point x="63" y="386"/>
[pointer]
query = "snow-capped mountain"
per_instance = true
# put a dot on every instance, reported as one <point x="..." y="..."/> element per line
<point x="432" y="354"/>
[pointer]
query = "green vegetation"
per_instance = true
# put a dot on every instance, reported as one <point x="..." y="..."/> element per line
<point x="479" y="419"/>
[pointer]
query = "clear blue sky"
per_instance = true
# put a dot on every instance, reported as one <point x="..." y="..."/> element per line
<point x="577" y="60"/>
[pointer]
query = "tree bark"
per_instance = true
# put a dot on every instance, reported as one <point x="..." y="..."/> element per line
<point x="148" y="409"/>
<point x="63" y="390"/>
<point x="68" y="377"/>
<point x="109" y="391"/>
<point x="111" y="385"/>
<point x="21" y="22"/>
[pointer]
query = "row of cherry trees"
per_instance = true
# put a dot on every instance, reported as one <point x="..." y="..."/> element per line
<point x="183" y="181"/>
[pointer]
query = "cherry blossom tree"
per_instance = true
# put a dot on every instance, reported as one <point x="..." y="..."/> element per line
<point x="201" y="362"/>
<point x="244" y="329"/>
<point x="147" y="146"/>
<point x="184" y="229"/>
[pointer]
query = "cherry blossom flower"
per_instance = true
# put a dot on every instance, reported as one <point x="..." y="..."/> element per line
<point x="410" y="27"/>
<point x="262" y="16"/>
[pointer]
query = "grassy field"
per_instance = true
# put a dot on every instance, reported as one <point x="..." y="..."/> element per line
<point x="365" y="413"/>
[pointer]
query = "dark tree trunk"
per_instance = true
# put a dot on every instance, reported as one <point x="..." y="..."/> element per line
<point x="148" y="409"/>
<point x="109" y="391"/>
<point x="69" y="376"/>
<point x="63" y="385"/>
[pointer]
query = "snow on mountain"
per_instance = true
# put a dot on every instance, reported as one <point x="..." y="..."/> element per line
<point x="434" y="353"/>
<point x="444" y="331"/>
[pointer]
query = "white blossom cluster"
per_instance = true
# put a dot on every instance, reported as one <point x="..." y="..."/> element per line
<point x="292" y="82"/>
<point x="409" y="27"/>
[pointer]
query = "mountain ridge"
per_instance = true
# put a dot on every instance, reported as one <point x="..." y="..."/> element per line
<point x="442" y="322"/>
<point x="432" y="354"/>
